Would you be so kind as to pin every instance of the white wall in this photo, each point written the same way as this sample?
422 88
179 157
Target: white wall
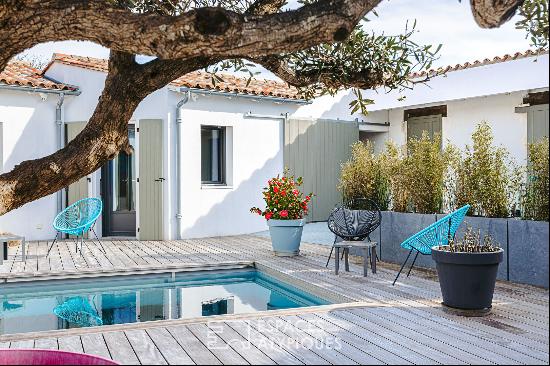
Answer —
463 116
256 155
483 93
29 132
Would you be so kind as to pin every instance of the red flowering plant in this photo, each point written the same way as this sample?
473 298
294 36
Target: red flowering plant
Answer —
283 199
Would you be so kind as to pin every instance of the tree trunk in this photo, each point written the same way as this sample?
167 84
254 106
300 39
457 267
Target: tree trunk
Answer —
105 134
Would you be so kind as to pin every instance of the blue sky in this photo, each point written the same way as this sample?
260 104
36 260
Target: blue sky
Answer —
448 22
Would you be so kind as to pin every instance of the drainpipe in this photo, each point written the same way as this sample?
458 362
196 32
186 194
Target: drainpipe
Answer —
179 160
60 135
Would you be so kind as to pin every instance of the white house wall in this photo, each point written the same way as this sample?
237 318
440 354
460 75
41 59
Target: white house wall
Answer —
91 84
29 131
487 93
256 146
463 116
256 157
525 74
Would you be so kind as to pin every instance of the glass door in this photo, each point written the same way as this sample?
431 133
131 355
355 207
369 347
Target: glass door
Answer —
118 190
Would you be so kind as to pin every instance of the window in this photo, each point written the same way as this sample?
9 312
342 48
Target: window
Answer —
213 155
428 119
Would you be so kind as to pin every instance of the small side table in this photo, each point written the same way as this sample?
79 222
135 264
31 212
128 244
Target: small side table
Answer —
368 249
4 239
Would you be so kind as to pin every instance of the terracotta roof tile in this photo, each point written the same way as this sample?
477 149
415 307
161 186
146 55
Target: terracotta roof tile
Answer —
476 63
19 73
197 79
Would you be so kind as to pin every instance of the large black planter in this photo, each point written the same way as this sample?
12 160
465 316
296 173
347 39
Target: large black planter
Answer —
467 280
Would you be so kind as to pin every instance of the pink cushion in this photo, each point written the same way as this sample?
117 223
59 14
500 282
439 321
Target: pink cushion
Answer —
49 357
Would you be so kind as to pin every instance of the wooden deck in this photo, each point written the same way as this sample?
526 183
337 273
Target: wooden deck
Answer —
381 324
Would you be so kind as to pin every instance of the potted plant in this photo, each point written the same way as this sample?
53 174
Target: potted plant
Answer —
285 211
467 271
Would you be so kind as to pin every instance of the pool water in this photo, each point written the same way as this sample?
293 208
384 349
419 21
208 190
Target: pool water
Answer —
65 304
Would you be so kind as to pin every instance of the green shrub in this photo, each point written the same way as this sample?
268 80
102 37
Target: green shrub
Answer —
486 177
535 199
363 176
394 165
427 167
417 174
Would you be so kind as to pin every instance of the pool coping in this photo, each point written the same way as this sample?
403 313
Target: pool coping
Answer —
340 301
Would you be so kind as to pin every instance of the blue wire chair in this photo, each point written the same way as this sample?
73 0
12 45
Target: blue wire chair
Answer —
78 219
77 310
439 233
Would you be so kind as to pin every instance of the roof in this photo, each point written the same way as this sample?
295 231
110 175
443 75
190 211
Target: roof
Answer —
196 79
19 73
477 63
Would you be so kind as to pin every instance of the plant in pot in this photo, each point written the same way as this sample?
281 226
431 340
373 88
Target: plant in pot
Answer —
467 271
285 210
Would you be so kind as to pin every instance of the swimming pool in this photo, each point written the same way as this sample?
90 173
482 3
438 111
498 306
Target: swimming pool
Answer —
75 303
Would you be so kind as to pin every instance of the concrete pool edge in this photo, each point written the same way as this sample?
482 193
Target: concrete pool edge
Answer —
339 301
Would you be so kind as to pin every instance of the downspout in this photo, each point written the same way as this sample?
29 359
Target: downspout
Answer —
60 142
179 161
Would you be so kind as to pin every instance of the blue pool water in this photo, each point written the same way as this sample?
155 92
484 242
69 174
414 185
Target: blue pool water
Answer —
64 304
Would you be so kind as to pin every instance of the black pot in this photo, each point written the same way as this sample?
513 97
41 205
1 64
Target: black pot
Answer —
467 280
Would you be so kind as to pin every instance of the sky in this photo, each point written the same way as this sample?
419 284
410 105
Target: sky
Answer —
446 22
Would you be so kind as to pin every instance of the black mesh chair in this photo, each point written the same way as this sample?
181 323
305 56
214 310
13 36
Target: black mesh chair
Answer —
354 221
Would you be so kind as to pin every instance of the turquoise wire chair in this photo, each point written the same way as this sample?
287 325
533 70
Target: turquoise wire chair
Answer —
78 219
77 310
439 233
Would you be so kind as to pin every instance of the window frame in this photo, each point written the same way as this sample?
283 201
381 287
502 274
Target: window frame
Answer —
222 156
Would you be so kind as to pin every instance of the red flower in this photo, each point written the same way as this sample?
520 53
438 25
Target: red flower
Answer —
268 215
276 189
296 192
283 213
283 193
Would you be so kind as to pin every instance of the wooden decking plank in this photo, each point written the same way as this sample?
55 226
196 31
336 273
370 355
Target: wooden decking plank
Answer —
31 265
120 349
163 251
172 352
94 344
26 344
144 347
111 253
323 347
17 264
216 345
516 331
152 252
371 345
66 256
46 343
241 345
499 353
412 340
42 262
70 343
428 308
338 344
290 345
267 346
194 348
510 309
132 247
431 338
383 345
123 247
